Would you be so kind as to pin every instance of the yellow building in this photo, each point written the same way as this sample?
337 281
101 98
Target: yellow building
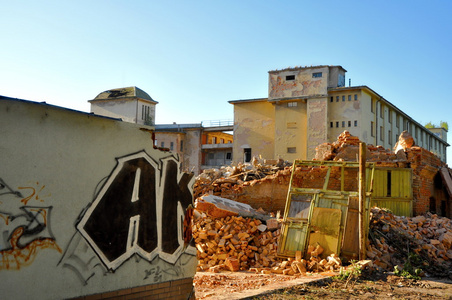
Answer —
307 106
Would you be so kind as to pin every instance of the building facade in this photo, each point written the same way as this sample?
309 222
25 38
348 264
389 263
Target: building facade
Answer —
130 104
197 146
307 106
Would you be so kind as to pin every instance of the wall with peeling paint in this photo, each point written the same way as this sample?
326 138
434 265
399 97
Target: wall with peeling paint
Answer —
82 202
303 85
254 127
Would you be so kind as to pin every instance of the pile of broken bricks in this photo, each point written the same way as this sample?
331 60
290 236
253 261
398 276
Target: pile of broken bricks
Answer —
394 238
237 243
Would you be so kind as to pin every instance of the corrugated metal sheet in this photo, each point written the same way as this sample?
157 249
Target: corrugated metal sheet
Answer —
392 189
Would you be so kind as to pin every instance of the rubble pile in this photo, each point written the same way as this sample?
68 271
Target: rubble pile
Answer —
236 243
394 239
346 148
230 179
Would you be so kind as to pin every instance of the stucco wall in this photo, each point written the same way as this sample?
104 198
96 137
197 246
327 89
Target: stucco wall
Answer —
121 109
291 130
82 202
254 127
317 112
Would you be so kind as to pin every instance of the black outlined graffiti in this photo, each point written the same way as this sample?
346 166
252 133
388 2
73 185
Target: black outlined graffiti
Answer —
139 210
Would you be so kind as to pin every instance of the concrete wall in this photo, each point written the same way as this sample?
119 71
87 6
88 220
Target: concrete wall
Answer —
254 127
121 109
317 111
303 84
82 202
291 130
343 111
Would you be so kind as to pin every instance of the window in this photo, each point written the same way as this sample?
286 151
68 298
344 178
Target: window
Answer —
372 129
382 111
171 146
343 123
317 75
372 105
337 124
389 116
349 97
247 154
221 141
228 155
349 123
162 144
331 99
290 77
356 97
214 140
343 98
181 146
337 98
331 125
291 149
145 112
389 137
292 104
381 133
356 123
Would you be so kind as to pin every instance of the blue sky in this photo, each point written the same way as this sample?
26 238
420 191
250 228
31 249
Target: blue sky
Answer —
195 56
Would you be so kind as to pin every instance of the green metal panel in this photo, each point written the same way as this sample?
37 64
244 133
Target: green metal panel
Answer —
399 197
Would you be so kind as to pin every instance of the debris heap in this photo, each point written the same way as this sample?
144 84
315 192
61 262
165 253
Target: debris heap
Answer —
237 243
424 240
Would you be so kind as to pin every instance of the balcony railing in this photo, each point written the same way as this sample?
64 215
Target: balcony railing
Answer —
217 123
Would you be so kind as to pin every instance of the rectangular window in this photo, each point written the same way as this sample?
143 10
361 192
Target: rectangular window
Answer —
382 111
331 99
181 146
381 133
291 149
343 98
390 116
292 104
349 97
221 141
356 97
349 123
372 129
389 137
247 154
356 123
372 105
171 146
317 75
162 144
290 77
337 124
337 98
331 125
343 123
228 155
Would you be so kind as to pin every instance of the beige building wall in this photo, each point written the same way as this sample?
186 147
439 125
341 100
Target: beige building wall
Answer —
317 131
192 151
254 127
120 109
290 130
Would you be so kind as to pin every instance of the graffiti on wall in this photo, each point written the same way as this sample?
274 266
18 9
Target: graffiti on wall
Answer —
139 210
25 231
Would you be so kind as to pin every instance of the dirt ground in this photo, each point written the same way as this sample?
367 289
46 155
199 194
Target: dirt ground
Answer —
370 285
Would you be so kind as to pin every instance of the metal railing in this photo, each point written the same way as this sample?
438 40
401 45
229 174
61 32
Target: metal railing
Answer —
217 123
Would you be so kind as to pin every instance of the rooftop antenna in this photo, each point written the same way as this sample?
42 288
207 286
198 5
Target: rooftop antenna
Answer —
349 82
